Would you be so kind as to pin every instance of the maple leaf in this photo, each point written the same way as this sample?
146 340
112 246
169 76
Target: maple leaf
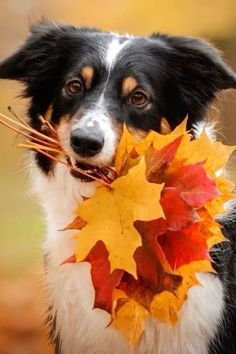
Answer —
166 305
209 228
128 317
151 261
196 188
103 280
184 246
130 146
110 215
158 160
152 277
178 213
217 205
149 233
161 294
214 153
125 148
77 224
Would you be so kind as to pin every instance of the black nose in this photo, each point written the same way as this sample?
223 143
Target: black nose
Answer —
86 143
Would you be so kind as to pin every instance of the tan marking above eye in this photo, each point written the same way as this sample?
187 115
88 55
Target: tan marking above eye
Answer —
164 126
87 74
128 85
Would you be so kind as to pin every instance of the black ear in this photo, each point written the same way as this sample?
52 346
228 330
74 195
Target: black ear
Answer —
38 60
196 73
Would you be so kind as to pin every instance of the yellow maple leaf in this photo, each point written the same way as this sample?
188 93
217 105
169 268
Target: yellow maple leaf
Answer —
214 153
166 305
217 205
128 143
211 229
110 215
129 317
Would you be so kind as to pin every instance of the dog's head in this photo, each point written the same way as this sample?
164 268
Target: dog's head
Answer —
87 83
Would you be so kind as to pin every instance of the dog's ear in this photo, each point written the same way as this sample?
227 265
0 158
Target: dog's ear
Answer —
200 61
36 62
196 73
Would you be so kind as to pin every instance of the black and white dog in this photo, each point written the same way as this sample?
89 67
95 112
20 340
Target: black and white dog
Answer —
87 83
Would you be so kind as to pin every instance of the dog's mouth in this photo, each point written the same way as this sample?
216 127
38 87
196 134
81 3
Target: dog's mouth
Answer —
89 173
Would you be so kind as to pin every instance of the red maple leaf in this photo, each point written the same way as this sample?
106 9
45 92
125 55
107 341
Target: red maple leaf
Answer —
150 261
184 246
103 280
196 188
178 213
158 160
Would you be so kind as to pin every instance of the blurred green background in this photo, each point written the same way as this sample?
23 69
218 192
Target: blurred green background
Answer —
21 223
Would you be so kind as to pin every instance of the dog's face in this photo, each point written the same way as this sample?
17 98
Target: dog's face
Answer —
88 83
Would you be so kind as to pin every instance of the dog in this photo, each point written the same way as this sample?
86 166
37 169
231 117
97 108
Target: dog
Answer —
87 83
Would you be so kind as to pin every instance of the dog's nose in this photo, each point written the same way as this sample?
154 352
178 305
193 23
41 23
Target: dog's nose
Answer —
86 143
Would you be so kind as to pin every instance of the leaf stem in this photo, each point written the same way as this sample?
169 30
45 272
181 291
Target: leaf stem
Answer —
29 129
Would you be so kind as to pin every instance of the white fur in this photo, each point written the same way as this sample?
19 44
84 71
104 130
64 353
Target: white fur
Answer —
82 328
208 128
114 48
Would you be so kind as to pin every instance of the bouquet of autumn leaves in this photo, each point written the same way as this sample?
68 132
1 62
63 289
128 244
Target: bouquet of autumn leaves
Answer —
149 231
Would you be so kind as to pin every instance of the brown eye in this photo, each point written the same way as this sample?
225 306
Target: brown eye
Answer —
138 98
74 87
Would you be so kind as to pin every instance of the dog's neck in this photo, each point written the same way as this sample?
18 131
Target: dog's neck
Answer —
60 193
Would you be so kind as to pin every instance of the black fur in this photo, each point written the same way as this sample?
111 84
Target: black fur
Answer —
224 262
51 322
182 76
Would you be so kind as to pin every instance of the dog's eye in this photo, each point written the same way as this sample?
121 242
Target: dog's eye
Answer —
138 98
74 86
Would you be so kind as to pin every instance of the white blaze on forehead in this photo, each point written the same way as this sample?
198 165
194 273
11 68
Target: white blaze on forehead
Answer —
114 48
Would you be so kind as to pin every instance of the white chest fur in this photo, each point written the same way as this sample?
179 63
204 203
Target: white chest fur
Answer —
83 329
